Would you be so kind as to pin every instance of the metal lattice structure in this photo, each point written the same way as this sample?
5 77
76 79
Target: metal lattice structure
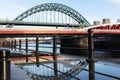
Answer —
62 9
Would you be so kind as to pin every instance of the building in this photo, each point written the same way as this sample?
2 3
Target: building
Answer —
96 23
106 21
118 20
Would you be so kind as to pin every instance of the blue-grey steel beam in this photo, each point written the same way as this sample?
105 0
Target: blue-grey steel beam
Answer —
12 23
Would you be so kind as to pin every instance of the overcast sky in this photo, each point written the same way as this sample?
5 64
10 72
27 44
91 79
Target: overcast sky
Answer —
90 9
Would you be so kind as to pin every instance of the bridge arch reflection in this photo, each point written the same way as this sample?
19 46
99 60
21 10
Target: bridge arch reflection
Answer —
66 70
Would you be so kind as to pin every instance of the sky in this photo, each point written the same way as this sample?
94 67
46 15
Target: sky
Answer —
91 9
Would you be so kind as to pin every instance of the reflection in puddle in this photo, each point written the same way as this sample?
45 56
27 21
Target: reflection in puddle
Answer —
66 70
69 67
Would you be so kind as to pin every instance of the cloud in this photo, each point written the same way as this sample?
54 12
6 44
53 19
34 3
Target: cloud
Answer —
115 1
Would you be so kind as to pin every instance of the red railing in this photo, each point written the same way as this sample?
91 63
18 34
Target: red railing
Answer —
31 31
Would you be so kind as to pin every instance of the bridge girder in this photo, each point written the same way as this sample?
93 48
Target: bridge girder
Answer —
54 7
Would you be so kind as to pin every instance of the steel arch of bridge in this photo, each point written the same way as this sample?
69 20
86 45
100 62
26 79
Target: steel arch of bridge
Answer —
54 7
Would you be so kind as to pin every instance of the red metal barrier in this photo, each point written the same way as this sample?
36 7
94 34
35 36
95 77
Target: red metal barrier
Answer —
30 31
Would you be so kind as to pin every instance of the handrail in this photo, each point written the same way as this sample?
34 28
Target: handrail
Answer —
92 50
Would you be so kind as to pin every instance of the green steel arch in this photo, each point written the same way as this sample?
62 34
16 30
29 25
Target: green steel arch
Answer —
54 7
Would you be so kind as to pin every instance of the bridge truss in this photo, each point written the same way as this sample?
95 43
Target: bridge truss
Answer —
52 13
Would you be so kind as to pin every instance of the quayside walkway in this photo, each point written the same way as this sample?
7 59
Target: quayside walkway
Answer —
23 75
18 74
55 58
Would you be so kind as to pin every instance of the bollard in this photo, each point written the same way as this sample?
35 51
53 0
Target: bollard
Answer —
4 64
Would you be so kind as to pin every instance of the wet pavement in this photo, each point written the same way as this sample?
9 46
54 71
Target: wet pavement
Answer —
18 74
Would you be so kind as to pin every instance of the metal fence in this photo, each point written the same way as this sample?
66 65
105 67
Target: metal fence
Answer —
94 44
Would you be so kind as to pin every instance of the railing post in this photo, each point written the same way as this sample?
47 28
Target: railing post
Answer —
19 44
4 64
55 55
4 43
37 51
11 44
91 55
15 44
26 50
20 48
